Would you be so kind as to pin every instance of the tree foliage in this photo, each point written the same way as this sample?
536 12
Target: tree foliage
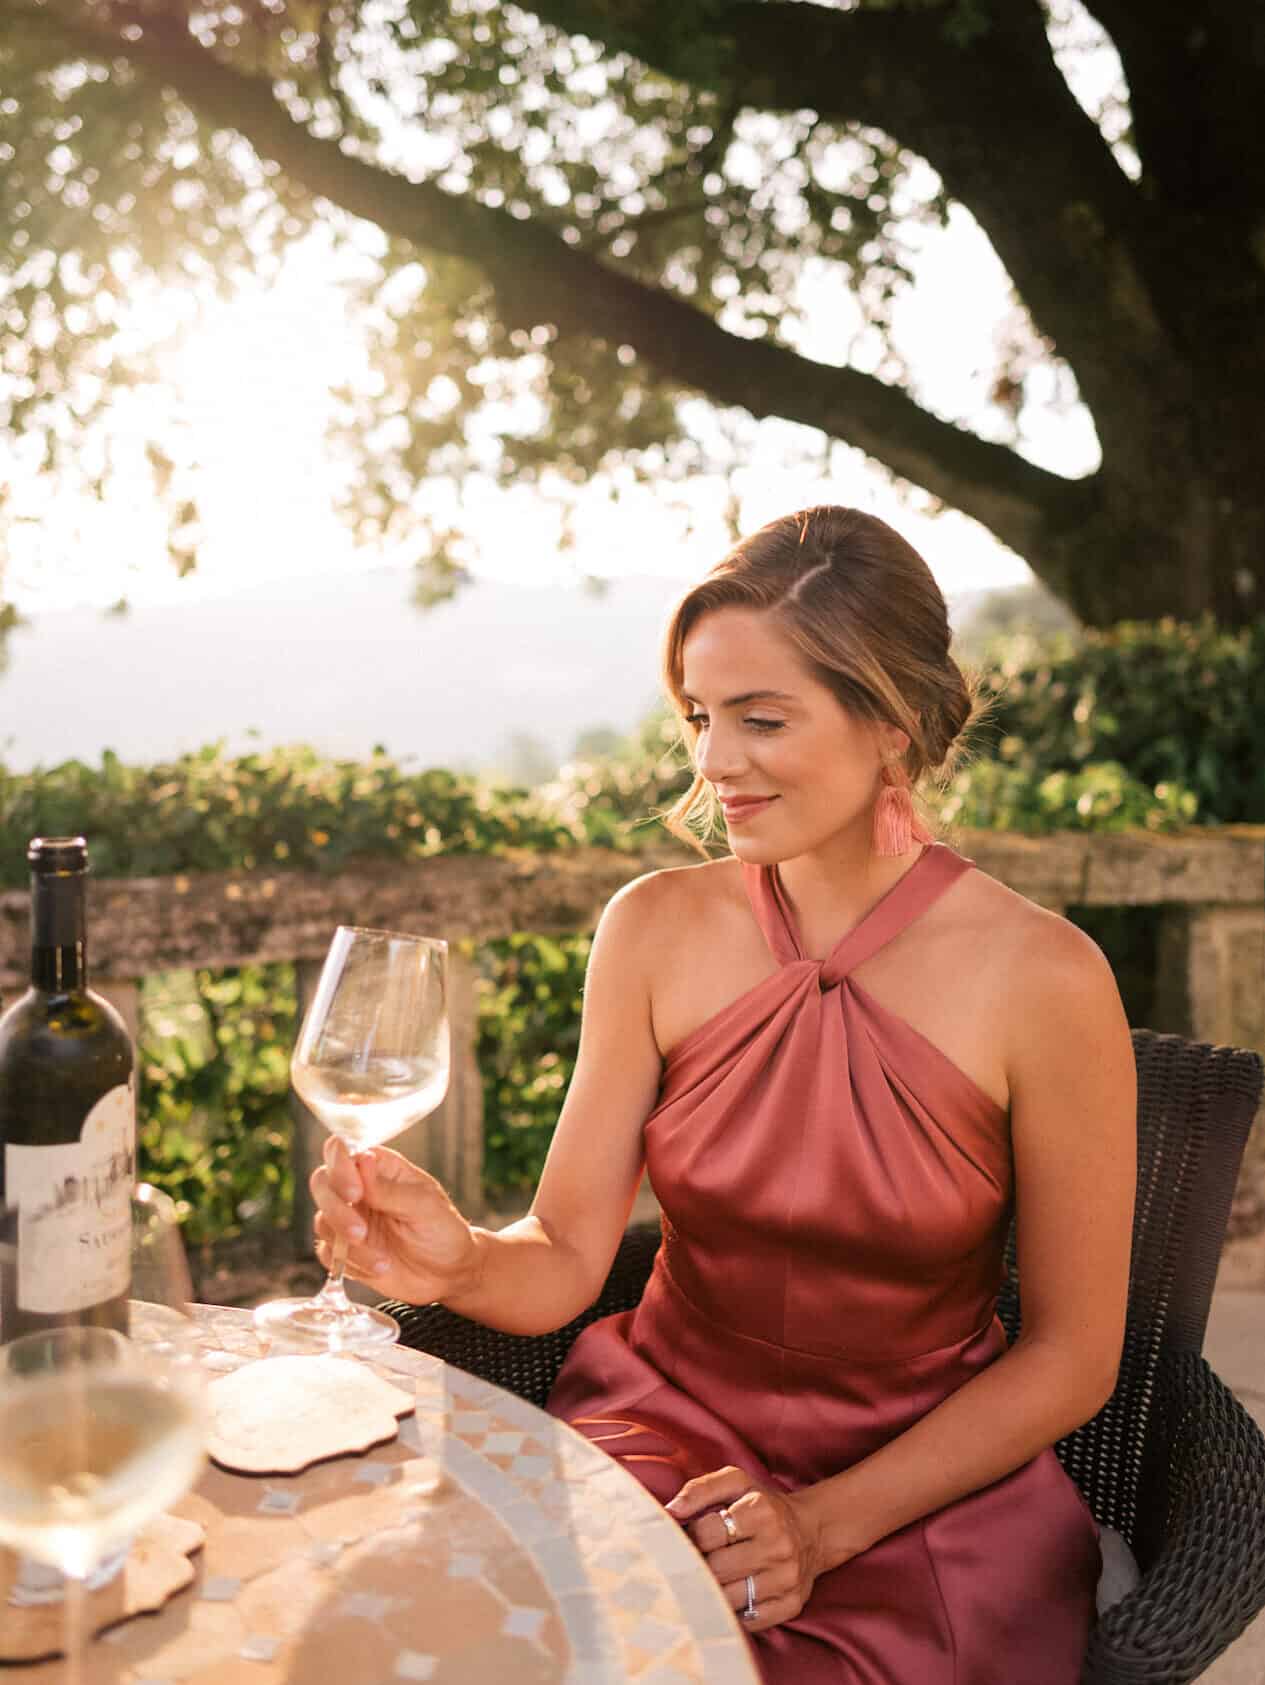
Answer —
560 223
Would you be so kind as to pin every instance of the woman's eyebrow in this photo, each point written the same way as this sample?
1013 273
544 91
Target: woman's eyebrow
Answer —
747 696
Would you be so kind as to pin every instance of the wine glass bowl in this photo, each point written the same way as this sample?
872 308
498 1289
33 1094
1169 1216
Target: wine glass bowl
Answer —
371 1059
100 1432
97 1436
159 1309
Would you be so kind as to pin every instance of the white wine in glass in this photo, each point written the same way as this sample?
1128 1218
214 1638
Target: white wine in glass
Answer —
372 1058
98 1433
95 1440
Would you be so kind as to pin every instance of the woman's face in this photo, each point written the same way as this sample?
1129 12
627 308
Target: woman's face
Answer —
792 767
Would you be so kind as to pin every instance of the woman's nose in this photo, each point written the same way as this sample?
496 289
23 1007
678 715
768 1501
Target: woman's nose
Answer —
718 755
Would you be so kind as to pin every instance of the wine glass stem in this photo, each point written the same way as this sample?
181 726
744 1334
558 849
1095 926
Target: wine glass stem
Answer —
74 1610
334 1293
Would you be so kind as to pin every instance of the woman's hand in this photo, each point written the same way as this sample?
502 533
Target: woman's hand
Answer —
769 1538
405 1237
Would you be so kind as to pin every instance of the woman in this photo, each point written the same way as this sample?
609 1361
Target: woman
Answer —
845 1056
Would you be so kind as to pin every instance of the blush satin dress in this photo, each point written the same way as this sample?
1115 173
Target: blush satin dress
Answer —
836 1195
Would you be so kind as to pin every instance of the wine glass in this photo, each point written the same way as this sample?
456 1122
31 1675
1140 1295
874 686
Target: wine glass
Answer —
161 1292
371 1059
98 1435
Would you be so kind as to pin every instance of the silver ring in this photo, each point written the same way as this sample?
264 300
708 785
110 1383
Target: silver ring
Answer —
750 1612
731 1526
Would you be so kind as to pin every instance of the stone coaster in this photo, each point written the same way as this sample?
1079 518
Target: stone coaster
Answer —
157 1567
281 1414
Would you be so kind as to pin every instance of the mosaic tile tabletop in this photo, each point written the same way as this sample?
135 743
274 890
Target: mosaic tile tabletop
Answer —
488 1542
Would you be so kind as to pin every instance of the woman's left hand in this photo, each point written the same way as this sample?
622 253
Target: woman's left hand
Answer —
770 1540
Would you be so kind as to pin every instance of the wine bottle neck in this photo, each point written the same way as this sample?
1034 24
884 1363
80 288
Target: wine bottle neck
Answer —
58 924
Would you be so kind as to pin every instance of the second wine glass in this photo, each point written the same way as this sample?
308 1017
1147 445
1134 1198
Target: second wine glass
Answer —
372 1058
99 1433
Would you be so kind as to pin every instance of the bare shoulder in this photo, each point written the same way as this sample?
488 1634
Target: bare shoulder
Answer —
1023 938
1054 977
680 891
675 903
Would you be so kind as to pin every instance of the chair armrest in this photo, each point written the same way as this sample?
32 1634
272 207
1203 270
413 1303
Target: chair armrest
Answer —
1204 1579
526 1364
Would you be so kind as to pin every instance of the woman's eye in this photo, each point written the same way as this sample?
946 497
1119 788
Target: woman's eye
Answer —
765 725
696 719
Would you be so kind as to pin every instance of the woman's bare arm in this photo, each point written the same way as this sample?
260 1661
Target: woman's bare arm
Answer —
538 1273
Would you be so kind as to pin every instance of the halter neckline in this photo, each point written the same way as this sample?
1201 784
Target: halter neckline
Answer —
935 870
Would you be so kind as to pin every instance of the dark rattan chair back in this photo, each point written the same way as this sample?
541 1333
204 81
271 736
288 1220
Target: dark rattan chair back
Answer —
1195 1107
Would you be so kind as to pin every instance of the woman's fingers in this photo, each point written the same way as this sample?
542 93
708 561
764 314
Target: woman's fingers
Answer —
341 1215
771 1605
365 1264
732 1564
343 1170
397 1188
708 1491
745 1547
747 1535
348 1192
769 1586
711 1535
404 1233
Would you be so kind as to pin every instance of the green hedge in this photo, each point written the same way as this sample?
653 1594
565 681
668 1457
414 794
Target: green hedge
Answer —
289 807
1179 705
213 1118
529 1032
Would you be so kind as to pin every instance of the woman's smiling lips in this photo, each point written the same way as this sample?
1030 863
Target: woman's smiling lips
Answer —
738 809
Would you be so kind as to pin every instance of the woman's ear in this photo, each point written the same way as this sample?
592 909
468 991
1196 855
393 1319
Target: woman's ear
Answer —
893 743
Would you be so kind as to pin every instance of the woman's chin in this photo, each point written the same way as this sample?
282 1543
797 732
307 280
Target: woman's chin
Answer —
754 851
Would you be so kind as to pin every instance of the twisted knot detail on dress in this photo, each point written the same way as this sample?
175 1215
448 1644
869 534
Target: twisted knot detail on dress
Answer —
867 1168
836 1194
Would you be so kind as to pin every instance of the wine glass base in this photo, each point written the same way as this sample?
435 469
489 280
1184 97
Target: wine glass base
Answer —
309 1325
37 1583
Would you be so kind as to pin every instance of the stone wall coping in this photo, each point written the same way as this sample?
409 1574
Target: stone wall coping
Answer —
143 925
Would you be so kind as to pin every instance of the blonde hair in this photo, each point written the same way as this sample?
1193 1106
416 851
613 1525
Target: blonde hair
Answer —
861 607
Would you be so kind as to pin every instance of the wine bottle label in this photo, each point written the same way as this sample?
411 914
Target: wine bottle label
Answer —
74 1215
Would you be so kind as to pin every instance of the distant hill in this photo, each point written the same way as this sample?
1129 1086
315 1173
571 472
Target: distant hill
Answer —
1018 608
343 664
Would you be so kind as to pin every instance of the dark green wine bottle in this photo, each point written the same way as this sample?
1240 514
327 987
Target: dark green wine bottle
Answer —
67 1121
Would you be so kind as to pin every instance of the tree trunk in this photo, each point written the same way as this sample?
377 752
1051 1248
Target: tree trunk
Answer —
1183 539
1149 555
1180 524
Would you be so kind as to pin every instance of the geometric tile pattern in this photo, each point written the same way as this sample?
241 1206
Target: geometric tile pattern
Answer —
488 1541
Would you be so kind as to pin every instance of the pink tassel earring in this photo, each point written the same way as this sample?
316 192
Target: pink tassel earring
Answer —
896 826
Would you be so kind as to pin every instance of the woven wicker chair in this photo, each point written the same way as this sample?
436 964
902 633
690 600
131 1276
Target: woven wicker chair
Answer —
1172 1462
